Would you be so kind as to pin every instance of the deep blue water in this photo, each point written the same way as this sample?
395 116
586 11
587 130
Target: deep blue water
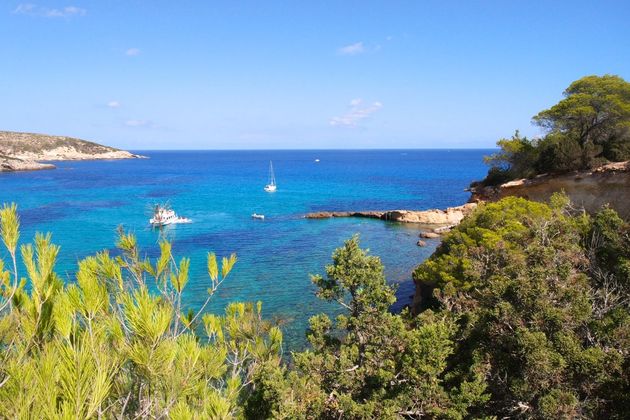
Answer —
82 203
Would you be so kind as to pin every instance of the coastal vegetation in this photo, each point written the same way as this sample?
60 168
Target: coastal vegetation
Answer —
588 128
118 342
526 313
541 297
523 310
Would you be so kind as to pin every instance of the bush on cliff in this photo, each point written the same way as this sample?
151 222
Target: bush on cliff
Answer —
587 128
541 298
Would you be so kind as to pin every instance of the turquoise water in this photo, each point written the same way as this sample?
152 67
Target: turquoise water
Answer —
82 203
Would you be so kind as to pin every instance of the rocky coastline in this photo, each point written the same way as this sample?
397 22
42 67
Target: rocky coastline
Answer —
449 217
27 151
11 164
589 190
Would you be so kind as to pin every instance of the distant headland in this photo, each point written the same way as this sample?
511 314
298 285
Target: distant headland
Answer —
26 151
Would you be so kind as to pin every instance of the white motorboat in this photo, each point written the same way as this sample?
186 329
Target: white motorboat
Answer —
271 186
258 216
163 216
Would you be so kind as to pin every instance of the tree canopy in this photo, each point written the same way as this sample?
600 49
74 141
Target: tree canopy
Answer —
595 113
542 299
590 126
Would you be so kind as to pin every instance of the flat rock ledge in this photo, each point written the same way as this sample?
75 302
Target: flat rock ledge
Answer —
449 217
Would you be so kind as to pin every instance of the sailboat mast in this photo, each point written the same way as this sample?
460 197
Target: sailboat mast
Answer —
272 178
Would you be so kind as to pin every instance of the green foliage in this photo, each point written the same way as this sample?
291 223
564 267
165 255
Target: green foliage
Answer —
595 111
118 343
587 128
558 154
516 158
525 313
369 363
541 298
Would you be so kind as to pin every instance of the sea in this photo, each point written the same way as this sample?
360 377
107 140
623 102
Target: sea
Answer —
82 203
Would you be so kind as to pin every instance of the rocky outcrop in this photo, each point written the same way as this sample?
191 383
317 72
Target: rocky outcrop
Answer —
608 184
23 151
9 164
450 216
330 214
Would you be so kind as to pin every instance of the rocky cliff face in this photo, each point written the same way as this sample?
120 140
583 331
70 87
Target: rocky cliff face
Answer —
22 151
609 184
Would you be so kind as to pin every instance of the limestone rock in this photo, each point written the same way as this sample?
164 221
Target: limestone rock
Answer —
607 184
450 216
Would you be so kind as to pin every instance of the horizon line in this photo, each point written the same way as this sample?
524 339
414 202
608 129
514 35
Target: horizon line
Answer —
315 150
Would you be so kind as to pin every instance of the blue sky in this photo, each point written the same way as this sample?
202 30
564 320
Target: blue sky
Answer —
150 74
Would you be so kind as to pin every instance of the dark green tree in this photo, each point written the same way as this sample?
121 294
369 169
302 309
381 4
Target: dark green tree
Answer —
539 296
516 158
587 128
371 363
595 113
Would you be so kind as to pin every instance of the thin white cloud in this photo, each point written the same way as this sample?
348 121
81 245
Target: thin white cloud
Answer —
132 52
31 9
352 49
138 123
24 9
113 104
358 111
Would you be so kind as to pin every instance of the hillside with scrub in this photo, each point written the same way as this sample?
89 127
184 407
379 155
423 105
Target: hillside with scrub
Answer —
24 151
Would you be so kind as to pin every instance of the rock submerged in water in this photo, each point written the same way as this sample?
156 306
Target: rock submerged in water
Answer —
443 229
421 243
429 235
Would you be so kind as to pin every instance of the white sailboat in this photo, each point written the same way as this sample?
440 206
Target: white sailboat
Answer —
271 186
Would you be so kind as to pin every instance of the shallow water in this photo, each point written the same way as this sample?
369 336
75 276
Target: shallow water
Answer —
82 203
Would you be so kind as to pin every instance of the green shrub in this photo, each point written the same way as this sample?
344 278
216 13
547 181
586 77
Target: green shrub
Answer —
119 342
541 296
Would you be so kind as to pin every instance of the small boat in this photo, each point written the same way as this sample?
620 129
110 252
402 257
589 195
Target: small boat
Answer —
163 216
258 216
316 160
271 186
